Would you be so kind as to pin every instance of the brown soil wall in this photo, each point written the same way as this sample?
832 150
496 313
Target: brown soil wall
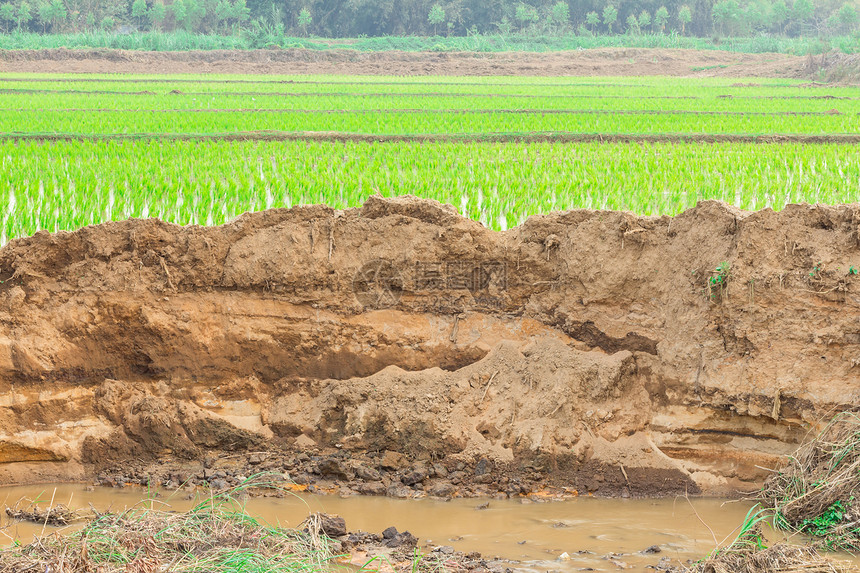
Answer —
579 340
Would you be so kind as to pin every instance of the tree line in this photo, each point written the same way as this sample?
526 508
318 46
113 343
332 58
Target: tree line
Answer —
358 18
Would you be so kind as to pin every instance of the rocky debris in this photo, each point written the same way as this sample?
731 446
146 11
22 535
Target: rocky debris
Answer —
367 473
417 475
57 515
323 523
442 489
339 472
392 538
333 467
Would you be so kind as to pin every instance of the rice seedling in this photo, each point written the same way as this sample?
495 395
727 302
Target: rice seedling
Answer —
63 185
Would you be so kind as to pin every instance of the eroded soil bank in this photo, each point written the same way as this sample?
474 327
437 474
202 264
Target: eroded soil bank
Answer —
400 348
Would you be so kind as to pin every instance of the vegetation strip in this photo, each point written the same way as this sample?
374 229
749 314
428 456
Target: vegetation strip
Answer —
347 94
533 137
447 110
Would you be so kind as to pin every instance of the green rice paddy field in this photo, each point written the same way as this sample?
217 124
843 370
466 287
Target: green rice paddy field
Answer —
81 149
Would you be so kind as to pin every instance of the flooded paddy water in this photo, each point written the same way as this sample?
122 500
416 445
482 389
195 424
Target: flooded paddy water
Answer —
597 534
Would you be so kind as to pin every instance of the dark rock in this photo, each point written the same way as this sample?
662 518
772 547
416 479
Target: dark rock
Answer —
483 467
218 483
403 540
389 533
439 470
417 475
255 459
333 467
366 473
372 488
443 489
651 550
399 491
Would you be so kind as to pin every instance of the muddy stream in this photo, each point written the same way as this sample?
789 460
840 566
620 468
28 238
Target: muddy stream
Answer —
590 530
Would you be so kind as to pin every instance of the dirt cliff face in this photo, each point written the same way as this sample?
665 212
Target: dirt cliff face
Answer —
579 340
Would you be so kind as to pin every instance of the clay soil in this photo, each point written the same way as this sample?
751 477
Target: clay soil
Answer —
401 349
595 62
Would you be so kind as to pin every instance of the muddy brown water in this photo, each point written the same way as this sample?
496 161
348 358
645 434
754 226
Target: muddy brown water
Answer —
534 533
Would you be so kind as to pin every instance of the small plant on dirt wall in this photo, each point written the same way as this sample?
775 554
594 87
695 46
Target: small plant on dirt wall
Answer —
718 281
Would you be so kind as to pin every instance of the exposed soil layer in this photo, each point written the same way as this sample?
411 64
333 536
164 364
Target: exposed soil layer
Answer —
582 349
595 62
532 137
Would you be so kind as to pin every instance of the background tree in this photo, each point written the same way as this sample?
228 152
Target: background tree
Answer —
223 13
779 14
51 13
644 19
801 12
304 20
504 26
195 12
610 15
240 12
43 10
684 17
593 20
7 14
661 17
848 17
157 13
632 25
726 15
436 16
24 15
138 11
526 15
179 13
560 13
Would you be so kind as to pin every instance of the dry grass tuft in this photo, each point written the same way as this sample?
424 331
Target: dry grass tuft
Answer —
817 492
216 536
780 558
